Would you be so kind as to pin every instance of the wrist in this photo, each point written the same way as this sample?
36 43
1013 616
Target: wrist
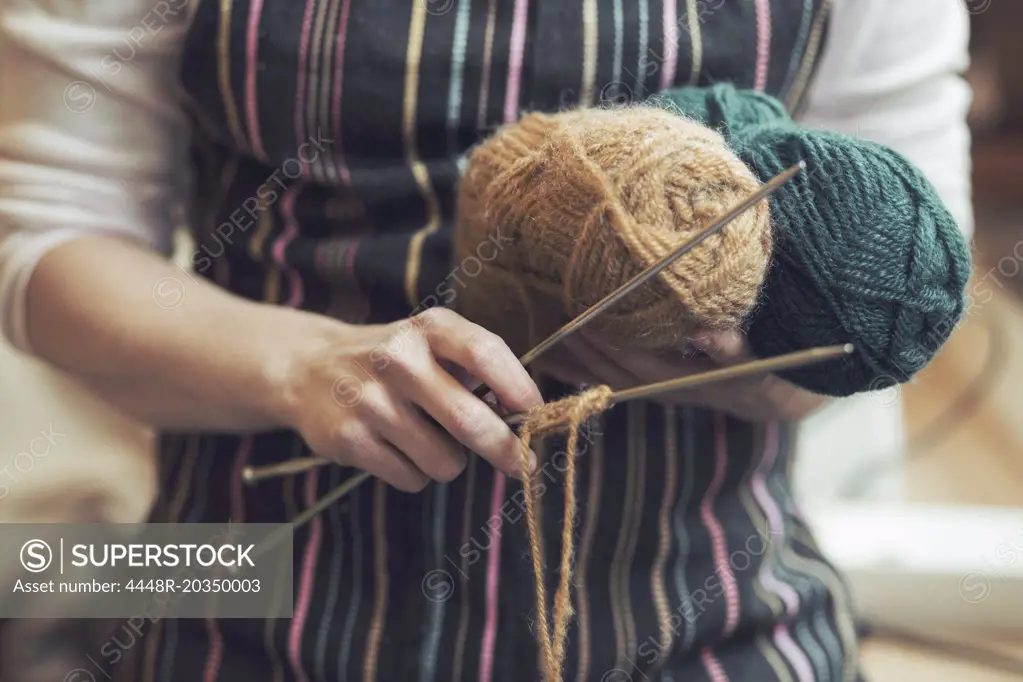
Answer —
296 339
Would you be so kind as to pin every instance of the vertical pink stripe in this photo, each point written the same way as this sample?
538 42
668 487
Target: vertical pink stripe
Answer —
350 258
670 44
291 194
713 666
518 42
763 43
305 588
784 591
251 109
335 104
303 72
281 243
758 483
717 533
796 657
290 231
493 581
215 655
788 647
497 496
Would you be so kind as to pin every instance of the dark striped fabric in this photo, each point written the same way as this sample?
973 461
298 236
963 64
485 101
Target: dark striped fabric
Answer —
329 138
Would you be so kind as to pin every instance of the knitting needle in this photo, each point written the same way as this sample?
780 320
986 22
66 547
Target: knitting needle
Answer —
801 358
253 475
780 362
597 308
788 361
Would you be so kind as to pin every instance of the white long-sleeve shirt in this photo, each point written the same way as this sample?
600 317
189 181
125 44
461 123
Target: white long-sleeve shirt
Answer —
81 154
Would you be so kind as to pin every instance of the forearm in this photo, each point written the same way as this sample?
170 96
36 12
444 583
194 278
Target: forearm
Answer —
159 345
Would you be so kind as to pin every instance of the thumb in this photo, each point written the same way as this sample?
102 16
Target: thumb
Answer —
724 347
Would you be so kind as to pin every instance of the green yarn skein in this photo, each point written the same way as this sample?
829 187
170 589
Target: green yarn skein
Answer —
864 250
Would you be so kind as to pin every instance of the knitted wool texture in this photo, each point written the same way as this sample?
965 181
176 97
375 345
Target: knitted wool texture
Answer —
862 249
588 199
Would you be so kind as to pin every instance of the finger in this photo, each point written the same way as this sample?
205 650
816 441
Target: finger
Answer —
483 354
724 347
434 452
365 450
469 420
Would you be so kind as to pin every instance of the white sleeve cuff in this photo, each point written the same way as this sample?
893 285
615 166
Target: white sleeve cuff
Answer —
93 138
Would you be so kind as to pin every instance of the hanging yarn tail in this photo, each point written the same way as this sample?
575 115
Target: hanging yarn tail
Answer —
566 414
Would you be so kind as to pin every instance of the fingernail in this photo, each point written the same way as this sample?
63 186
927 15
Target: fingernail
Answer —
531 460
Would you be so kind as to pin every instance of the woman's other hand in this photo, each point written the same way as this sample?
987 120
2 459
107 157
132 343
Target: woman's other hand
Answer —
585 359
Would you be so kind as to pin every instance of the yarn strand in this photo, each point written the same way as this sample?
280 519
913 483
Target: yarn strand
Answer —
569 413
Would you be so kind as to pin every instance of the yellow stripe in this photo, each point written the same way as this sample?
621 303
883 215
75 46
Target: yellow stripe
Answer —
326 87
621 610
156 636
376 627
270 626
843 612
696 37
488 57
637 436
589 532
224 74
809 57
463 606
590 28
770 654
422 176
181 490
317 86
657 583
771 600
264 226
185 481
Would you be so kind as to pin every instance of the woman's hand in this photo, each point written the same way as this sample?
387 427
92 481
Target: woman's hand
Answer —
361 395
585 358
208 360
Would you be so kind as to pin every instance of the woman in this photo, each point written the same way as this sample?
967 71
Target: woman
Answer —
327 138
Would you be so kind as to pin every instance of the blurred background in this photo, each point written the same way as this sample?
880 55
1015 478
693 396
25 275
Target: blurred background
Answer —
933 565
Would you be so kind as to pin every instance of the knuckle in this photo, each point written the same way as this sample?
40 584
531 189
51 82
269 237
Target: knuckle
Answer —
484 347
376 403
449 469
470 422
430 316
412 360
353 438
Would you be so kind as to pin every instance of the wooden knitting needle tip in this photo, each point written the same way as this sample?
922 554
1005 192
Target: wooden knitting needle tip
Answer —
252 475
801 358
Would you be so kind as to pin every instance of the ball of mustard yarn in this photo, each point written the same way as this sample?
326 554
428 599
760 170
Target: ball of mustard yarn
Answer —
562 209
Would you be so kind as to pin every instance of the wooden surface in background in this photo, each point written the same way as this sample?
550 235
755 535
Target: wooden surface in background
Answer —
980 459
